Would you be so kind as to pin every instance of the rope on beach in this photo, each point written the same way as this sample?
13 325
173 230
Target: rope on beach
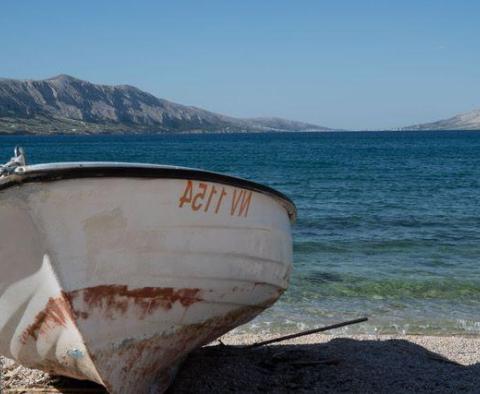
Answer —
308 332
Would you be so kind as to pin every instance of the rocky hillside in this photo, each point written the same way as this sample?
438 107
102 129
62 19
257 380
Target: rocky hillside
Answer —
466 121
64 104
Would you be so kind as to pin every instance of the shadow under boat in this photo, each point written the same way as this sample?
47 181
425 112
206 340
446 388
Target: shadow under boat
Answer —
340 365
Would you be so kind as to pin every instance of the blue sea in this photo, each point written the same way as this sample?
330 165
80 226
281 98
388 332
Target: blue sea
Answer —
388 222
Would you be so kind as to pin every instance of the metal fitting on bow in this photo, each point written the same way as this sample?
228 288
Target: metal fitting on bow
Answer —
18 160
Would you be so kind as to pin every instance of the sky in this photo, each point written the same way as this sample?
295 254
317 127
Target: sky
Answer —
343 64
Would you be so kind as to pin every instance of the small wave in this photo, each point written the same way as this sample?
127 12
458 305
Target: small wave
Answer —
312 247
282 322
336 285
323 277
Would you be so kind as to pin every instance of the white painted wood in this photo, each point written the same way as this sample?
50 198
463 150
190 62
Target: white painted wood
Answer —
114 280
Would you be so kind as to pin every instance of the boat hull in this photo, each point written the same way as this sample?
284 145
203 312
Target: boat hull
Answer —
115 280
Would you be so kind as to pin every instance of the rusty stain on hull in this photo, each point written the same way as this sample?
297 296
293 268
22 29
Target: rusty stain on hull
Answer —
111 298
155 358
117 298
56 313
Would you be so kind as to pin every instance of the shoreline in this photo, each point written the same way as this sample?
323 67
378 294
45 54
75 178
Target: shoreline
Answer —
316 363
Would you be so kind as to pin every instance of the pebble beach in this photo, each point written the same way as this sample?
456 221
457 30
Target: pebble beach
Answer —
314 363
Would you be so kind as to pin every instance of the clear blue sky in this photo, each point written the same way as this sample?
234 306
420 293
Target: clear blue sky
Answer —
348 64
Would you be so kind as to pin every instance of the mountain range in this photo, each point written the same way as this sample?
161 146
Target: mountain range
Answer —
68 105
64 104
465 121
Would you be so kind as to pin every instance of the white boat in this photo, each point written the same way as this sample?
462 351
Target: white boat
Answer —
114 272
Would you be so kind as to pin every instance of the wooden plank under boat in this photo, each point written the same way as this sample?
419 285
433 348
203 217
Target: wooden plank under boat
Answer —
114 272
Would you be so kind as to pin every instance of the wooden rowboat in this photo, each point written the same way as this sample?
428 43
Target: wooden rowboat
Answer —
114 272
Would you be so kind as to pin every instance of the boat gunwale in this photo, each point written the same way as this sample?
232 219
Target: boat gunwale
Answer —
71 170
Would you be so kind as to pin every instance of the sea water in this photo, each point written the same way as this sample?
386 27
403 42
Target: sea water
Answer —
388 222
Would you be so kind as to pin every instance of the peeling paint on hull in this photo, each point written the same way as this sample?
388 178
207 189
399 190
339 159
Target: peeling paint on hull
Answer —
154 359
117 284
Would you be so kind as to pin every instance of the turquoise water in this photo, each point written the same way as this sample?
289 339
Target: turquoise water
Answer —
388 223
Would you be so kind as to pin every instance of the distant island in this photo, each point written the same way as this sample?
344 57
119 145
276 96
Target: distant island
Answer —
67 105
465 121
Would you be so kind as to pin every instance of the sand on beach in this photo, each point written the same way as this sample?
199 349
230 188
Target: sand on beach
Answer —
315 363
